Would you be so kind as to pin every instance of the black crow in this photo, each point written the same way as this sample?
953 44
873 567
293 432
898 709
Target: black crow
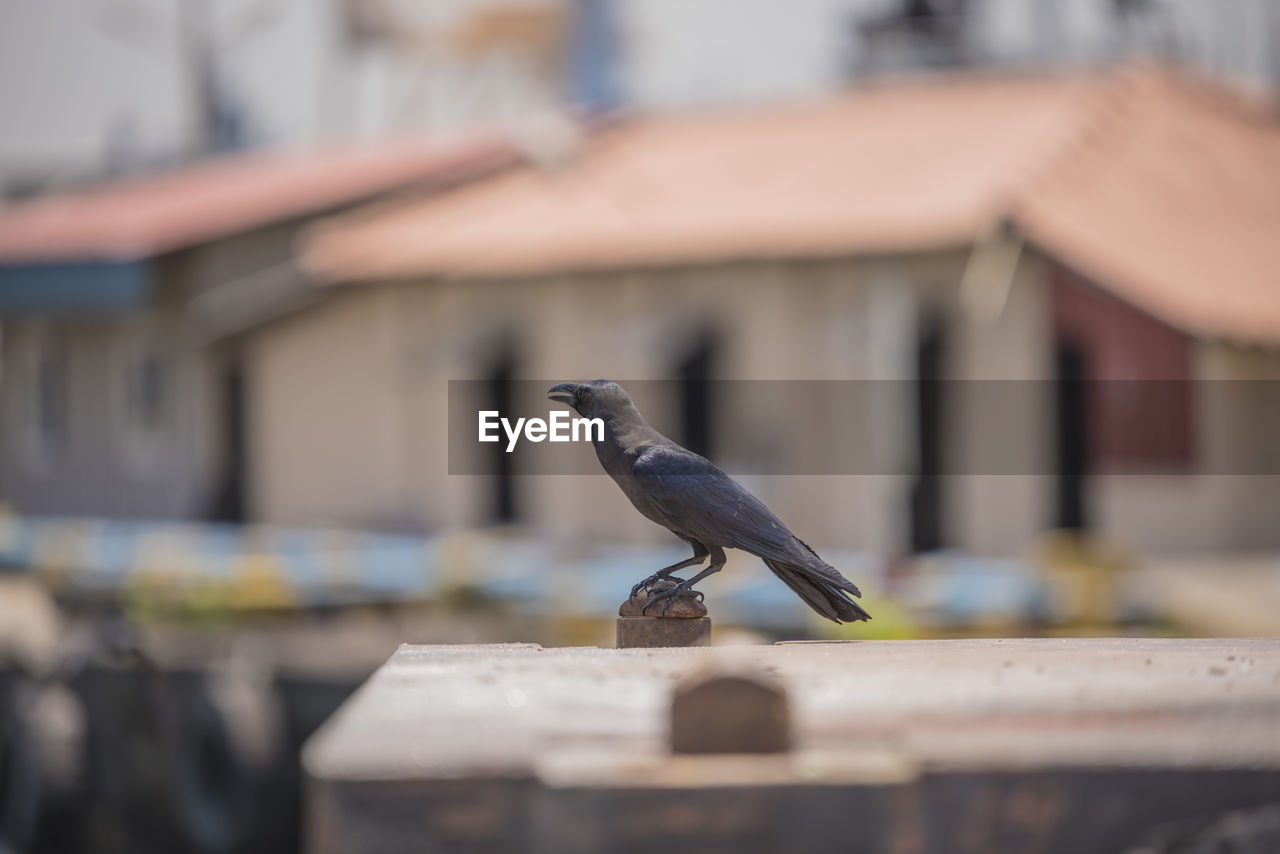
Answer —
689 496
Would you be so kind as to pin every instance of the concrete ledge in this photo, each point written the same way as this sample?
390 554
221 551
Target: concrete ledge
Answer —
1060 745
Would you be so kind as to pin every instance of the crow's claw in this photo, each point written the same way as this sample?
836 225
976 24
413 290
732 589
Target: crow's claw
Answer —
666 597
650 580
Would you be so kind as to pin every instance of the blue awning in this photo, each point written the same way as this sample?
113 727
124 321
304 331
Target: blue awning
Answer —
92 287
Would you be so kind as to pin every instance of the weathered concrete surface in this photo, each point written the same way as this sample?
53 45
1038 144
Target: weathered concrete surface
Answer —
1046 745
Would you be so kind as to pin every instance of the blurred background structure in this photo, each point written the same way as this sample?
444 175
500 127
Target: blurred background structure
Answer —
101 88
246 244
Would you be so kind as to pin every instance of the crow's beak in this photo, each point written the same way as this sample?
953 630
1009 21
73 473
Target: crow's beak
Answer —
564 393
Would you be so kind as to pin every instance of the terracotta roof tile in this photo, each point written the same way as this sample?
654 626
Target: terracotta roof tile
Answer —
158 213
1172 203
886 168
1160 187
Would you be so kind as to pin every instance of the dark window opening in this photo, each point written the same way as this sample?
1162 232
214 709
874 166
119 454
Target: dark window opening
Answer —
909 35
230 504
926 493
499 395
697 398
1072 445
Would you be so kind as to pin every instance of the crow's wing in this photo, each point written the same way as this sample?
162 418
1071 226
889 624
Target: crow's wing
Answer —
701 500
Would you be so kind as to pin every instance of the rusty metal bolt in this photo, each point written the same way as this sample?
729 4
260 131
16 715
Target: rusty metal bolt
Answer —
730 713
683 622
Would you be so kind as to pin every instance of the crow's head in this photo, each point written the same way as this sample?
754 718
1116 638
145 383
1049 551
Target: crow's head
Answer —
596 399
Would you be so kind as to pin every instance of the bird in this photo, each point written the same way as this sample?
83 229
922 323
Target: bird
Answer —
690 496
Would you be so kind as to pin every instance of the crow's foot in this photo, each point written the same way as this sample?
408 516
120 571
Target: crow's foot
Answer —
669 595
653 579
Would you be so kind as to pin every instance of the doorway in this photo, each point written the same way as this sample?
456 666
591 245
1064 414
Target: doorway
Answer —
926 493
697 395
499 395
1071 395
230 503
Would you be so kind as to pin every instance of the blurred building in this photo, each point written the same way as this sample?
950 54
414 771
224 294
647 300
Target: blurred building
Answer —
111 87
93 91
123 314
1044 229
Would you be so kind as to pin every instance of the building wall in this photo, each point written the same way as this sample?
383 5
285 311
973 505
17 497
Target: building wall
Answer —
326 416
125 82
1001 436
1229 498
1180 442
357 433
95 447
107 458
351 399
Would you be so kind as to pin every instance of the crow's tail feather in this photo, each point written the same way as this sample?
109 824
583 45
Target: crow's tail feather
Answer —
821 595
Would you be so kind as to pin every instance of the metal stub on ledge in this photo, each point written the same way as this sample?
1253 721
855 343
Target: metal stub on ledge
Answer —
681 621
733 713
